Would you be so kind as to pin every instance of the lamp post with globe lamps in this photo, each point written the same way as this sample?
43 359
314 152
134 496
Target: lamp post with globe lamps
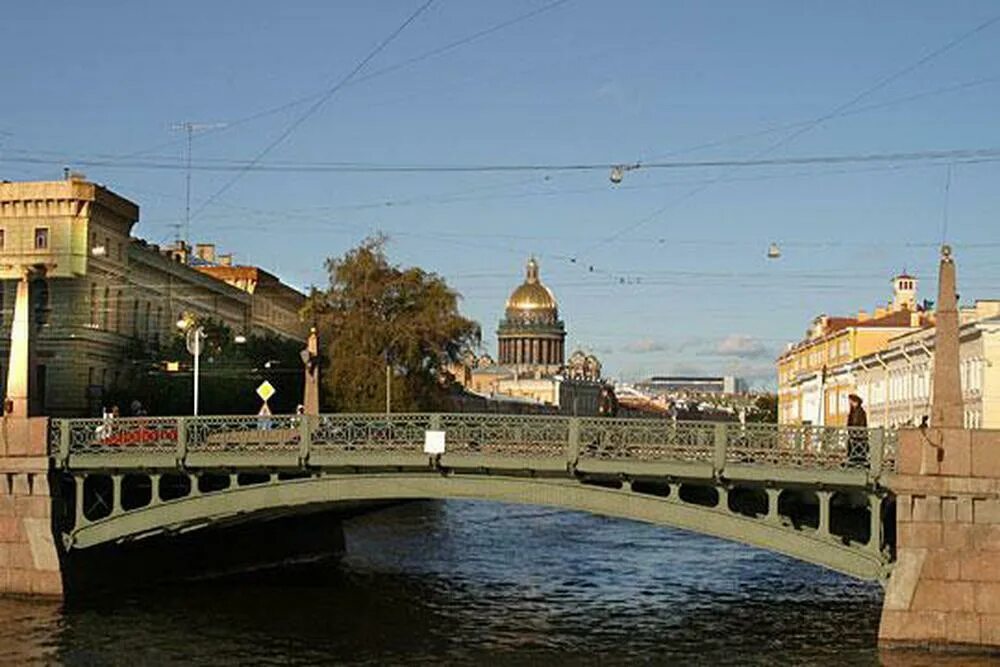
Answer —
194 337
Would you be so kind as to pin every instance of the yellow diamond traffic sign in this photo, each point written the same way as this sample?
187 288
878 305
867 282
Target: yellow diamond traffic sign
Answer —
265 390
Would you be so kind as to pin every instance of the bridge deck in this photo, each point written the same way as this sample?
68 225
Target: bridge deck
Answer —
539 444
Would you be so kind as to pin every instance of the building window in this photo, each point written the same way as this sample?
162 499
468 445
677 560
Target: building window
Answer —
93 306
3 238
41 238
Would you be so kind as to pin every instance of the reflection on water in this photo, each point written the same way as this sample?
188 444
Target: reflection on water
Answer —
469 582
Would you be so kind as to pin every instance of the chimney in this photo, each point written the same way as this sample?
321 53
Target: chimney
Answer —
914 319
863 316
226 260
205 252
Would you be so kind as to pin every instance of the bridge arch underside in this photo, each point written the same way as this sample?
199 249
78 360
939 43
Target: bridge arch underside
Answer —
843 530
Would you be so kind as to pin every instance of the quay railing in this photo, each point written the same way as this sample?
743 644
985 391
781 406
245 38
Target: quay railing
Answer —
553 443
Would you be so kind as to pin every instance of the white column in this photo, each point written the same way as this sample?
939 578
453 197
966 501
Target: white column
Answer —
17 368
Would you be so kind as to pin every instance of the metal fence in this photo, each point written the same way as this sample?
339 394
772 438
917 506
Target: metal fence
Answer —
556 437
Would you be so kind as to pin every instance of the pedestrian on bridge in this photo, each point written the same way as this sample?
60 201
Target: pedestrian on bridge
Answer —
857 439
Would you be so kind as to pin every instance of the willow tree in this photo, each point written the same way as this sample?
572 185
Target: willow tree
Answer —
375 314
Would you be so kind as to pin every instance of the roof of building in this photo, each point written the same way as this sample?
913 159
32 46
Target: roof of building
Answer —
837 323
900 319
532 294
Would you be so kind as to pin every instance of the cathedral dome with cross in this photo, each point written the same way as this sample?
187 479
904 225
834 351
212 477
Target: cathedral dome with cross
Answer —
531 337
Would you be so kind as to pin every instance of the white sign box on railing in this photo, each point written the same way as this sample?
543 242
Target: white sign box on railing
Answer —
433 442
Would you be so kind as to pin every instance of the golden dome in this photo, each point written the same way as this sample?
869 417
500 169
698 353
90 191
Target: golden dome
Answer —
532 295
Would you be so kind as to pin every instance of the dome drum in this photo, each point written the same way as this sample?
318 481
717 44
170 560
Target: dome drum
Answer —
531 333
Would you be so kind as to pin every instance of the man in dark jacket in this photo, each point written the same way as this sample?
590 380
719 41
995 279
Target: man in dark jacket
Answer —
857 440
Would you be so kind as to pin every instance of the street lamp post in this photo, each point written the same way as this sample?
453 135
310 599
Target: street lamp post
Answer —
388 388
194 337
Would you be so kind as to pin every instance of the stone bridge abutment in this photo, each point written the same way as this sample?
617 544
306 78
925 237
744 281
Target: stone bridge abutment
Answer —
29 559
945 587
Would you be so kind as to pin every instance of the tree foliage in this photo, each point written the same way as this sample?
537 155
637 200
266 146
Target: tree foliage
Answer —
764 409
373 314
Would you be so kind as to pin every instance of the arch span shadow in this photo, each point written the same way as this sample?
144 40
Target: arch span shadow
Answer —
701 507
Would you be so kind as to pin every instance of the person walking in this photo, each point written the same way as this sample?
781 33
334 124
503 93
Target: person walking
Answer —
857 439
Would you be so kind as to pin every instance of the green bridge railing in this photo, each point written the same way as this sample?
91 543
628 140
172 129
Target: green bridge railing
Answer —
562 441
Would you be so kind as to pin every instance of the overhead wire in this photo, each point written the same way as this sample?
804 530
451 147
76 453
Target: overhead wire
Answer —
737 138
241 167
388 69
878 85
325 97
732 139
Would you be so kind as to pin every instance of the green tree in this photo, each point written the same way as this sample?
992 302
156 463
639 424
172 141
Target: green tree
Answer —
374 314
764 409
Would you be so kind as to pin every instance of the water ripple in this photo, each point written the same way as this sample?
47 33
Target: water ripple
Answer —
472 582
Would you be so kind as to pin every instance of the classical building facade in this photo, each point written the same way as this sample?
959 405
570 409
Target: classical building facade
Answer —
99 298
896 382
815 375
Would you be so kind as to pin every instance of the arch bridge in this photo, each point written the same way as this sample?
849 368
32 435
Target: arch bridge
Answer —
796 490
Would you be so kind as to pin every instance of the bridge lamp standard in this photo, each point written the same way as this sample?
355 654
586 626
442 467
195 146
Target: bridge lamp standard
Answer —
194 338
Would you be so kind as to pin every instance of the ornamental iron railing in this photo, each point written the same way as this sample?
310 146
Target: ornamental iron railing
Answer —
573 439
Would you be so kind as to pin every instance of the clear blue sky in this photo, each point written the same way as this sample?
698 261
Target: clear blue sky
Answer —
688 289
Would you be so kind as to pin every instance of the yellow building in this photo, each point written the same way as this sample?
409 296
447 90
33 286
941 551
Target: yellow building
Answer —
896 382
815 375
97 297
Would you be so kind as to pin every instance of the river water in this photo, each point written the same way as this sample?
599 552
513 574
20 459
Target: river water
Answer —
481 583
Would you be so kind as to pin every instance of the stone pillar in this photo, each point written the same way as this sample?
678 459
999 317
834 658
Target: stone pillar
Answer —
948 409
310 357
944 591
29 559
945 586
